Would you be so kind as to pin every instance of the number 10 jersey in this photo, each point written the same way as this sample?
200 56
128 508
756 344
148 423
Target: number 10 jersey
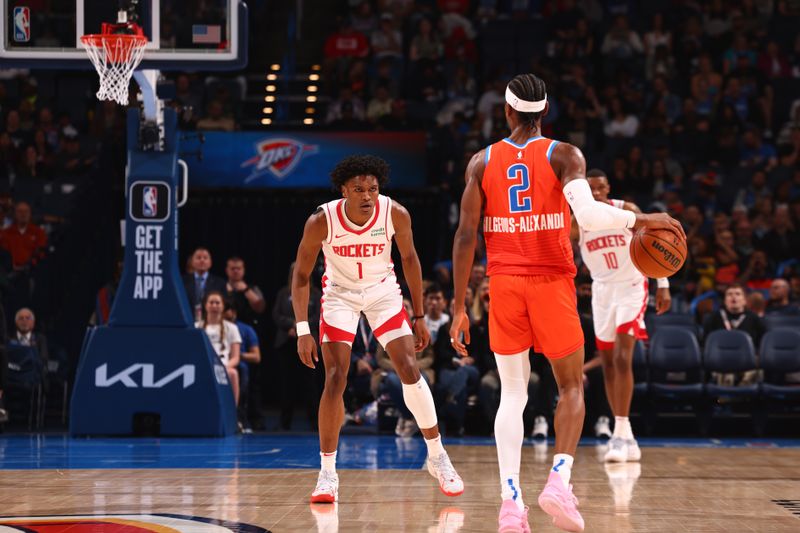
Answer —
607 255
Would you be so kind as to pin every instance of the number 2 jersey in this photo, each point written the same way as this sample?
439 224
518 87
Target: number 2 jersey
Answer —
606 253
358 256
526 217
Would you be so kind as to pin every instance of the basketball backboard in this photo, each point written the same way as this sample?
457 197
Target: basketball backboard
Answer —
182 34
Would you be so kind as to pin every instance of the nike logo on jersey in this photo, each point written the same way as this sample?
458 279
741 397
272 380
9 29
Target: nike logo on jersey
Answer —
342 235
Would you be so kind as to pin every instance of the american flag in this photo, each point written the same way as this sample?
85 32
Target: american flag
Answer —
204 33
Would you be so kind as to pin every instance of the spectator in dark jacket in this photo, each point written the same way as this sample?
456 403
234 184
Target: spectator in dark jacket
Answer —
25 336
782 242
734 315
201 281
456 378
246 297
779 303
296 379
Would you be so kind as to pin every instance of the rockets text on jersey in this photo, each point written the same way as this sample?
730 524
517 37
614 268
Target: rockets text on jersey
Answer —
358 256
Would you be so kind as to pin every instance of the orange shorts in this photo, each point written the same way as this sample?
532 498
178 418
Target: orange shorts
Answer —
538 311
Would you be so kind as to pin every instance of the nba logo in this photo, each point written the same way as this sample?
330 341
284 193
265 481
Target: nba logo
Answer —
22 24
150 201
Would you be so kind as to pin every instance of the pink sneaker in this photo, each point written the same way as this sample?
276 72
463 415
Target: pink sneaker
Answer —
511 519
561 504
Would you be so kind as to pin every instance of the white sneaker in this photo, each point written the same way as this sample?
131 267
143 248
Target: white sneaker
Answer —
602 428
327 489
634 452
442 469
539 428
617 451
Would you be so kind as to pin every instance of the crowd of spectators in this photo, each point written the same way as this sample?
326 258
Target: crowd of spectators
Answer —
690 107
48 150
689 110
228 310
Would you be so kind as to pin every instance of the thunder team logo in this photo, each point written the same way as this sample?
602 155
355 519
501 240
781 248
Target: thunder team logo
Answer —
278 157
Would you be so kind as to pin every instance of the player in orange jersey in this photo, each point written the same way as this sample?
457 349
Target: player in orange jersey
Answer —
525 186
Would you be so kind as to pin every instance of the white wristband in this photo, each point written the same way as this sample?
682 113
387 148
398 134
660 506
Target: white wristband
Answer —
662 283
302 329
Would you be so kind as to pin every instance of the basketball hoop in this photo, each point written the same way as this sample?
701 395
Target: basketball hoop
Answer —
115 56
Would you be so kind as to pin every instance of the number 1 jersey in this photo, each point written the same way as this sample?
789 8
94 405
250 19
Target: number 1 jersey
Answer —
357 257
526 217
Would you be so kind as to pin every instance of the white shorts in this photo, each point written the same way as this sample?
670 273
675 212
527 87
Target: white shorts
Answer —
381 303
618 308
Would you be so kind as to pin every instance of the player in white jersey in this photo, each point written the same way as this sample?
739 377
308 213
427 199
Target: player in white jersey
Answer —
355 233
619 301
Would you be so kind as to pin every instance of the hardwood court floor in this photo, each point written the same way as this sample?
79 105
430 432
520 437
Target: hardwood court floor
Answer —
677 488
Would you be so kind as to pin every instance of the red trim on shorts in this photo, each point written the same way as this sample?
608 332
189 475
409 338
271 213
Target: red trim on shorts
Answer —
334 334
346 225
396 322
637 325
603 345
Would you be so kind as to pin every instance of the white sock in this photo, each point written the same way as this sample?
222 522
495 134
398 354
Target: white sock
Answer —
514 371
435 447
328 461
419 400
510 490
622 427
562 465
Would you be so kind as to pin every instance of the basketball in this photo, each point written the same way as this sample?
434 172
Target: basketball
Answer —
657 253
245 176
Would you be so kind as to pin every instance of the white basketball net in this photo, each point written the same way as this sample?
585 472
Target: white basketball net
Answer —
115 57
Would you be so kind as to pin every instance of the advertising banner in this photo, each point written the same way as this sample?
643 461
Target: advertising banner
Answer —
296 159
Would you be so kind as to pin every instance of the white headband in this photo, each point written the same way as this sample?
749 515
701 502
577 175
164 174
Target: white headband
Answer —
524 106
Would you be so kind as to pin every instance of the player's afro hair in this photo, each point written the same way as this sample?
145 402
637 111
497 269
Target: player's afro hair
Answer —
360 165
